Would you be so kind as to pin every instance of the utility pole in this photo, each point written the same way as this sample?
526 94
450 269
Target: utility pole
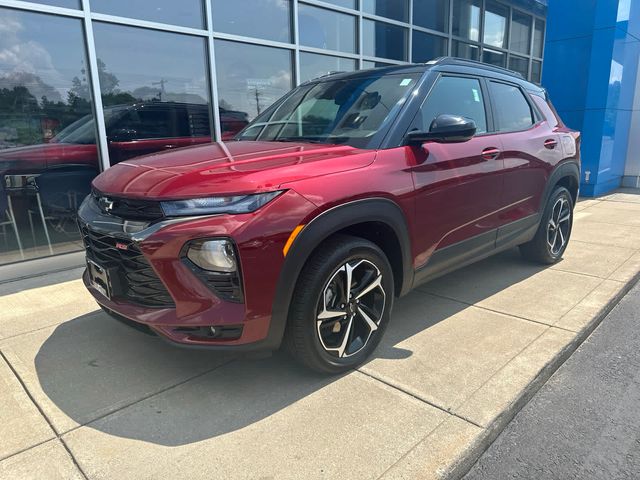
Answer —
162 83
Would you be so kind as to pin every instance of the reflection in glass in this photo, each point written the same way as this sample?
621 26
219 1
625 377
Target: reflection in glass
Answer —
45 171
384 40
154 89
433 14
335 111
313 65
521 32
270 19
466 19
251 77
536 71
494 58
60 3
369 64
520 65
538 39
343 3
427 47
495 24
327 29
465 50
188 13
454 96
394 9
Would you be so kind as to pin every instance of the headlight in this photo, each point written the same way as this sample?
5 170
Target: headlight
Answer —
210 205
213 255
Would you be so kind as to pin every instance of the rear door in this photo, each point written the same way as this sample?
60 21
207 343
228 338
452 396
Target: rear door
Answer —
530 150
458 185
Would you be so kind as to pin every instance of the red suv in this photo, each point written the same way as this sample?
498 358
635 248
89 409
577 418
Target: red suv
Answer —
348 192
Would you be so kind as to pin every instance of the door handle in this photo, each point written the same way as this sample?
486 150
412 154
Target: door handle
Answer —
550 143
490 153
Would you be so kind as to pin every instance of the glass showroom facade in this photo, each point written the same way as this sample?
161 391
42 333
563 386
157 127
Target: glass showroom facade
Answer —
85 84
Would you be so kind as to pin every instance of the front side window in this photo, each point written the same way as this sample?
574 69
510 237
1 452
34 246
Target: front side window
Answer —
342 111
513 112
454 96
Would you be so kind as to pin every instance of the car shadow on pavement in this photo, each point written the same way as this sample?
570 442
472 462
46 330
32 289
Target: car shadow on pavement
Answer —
97 371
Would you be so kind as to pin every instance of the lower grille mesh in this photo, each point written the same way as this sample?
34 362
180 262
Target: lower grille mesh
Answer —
140 283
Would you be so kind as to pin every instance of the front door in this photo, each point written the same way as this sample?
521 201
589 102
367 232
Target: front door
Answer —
458 185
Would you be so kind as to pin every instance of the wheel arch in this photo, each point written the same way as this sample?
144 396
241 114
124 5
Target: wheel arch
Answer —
566 174
379 220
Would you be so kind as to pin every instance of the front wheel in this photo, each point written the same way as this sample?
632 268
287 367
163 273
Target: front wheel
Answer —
340 306
553 234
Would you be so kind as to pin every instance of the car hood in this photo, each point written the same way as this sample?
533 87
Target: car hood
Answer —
227 168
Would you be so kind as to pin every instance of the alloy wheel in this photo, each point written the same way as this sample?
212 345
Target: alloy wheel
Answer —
350 308
559 226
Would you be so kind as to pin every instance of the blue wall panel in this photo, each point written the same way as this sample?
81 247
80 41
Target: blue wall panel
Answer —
590 71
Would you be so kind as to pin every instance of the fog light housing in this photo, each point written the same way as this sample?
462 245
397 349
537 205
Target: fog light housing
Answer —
213 255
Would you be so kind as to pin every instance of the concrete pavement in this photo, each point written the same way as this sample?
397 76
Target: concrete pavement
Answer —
584 422
82 395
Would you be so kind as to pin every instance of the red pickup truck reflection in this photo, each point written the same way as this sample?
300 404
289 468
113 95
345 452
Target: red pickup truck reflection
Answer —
132 130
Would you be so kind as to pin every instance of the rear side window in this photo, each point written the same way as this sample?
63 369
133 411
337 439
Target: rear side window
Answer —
455 96
513 111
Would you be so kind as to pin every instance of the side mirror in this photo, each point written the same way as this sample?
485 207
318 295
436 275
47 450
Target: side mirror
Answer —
445 128
123 135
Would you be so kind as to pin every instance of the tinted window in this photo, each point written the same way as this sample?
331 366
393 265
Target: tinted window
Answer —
45 123
395 9
495 24
427 47
465 50
185 12
536 71
521 32
466 19
60 3
512 109
327 29
538 38
455 96
154 72
384 40
520 65
146 123
268 19
493 57
433 14
343 3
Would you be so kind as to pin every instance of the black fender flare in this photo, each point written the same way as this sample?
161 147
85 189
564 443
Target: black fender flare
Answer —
565 169
321 227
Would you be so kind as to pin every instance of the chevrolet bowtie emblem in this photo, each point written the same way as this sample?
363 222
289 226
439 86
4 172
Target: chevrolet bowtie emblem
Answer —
106 204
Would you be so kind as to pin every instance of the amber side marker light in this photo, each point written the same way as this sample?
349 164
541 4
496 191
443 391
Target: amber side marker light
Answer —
292 237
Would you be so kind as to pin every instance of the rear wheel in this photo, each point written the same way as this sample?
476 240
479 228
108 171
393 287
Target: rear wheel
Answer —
340 305
553 234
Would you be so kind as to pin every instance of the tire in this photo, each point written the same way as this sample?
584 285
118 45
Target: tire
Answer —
338 342
554 231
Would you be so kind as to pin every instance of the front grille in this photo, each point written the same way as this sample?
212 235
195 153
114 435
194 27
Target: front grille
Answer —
138 282
128 208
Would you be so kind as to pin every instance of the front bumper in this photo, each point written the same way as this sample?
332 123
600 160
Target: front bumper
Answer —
259 238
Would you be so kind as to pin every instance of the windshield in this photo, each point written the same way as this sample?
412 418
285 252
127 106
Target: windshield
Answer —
341 111
83 130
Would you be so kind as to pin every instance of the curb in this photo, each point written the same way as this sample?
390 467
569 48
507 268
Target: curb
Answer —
463 465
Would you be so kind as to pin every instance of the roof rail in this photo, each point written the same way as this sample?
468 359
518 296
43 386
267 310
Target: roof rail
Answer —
474 63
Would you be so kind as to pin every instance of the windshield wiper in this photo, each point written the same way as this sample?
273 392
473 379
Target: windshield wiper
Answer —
298 139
